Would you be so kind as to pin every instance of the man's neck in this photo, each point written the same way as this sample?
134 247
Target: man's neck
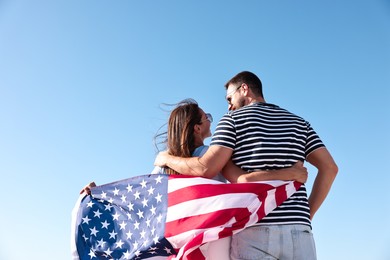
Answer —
256 100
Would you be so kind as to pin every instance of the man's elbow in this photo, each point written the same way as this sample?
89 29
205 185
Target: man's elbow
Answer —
207 173
333 169
202 172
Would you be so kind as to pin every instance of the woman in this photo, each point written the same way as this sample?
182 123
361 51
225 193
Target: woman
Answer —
188 127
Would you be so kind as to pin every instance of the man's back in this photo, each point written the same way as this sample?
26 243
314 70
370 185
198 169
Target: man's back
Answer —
266 137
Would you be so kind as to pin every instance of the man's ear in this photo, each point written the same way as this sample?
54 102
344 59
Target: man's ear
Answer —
247 90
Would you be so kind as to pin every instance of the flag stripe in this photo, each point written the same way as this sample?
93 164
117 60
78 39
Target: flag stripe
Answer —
203 221
202 205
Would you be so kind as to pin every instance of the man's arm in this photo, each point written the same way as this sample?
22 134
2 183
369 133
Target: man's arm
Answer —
208 166
327 171
234 174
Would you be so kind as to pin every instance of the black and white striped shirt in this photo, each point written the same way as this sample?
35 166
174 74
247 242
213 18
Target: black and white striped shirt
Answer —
266 137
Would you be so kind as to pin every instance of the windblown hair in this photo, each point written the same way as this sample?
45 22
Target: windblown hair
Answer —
179 137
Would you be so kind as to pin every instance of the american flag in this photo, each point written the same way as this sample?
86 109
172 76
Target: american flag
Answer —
160 216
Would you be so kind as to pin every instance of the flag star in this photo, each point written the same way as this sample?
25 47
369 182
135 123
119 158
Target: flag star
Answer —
126 255
142 234
113 234
104 195
105 224
145 202
151 190
158 179
116 216
101 243
129 188
135 244
158 197
138 253
136 225
130 206
148 222
168 250
153 248
91 253
140 214
145 243
136 195
153 230
119 244
86 220
123 225
89 204
159 218
143 184
110 200
108 252
97 213
108 207
129 216
94 231
152 252
85 237
129 235
116 192
153 210
155 240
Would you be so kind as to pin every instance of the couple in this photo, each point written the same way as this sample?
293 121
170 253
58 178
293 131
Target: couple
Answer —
255 141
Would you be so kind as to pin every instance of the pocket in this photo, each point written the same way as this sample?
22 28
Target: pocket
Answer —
251 244
303 243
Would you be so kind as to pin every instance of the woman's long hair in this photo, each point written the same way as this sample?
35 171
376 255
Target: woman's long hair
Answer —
179 137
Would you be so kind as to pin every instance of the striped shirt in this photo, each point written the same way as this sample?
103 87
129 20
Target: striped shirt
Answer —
266 137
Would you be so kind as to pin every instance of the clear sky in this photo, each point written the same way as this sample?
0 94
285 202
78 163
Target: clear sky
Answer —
82 83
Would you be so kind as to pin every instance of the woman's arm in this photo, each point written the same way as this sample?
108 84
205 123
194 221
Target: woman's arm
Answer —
235 174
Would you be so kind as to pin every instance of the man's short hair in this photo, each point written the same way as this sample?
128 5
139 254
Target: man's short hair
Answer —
250 79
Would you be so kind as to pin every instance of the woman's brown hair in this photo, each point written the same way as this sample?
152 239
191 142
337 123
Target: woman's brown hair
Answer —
180 129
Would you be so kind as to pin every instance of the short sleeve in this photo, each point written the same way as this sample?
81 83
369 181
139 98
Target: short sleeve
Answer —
225 133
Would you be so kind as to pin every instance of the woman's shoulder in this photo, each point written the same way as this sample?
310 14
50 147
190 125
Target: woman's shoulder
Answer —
201 150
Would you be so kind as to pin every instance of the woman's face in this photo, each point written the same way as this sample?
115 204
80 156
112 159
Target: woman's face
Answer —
204 125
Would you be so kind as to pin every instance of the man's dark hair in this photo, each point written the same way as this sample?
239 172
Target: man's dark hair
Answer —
250 79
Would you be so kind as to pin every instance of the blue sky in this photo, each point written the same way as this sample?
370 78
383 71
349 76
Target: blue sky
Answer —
82 83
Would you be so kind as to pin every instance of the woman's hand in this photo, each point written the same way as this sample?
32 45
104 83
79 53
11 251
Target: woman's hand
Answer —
297 172
161 159
87 188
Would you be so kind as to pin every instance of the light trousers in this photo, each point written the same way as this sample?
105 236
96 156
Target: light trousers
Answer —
271 242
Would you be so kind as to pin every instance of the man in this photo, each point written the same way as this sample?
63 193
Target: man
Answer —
257 135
